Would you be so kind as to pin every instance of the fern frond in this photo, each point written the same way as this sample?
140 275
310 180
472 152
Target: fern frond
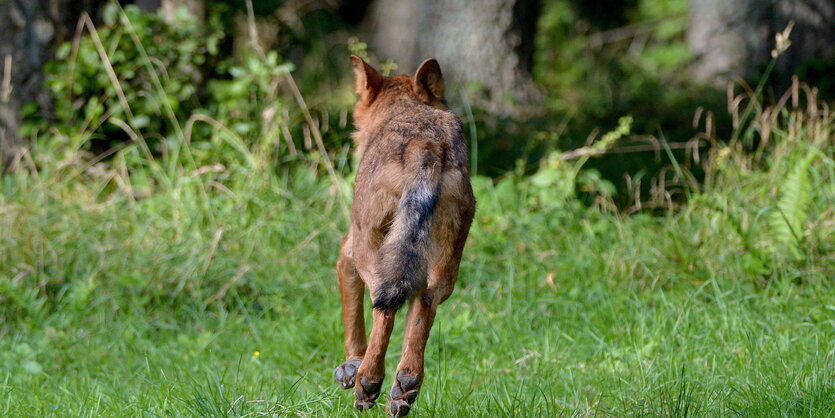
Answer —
786 222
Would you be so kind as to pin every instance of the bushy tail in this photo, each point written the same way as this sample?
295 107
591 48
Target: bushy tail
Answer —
402 265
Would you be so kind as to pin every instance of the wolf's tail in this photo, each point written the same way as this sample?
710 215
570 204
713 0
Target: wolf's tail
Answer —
402 264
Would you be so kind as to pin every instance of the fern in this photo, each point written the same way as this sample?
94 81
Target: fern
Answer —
786 222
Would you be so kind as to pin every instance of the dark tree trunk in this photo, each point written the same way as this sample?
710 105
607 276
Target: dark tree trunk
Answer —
484 46
30 30
734 39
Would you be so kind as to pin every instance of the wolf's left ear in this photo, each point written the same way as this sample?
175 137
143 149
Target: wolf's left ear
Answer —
369 81
428 81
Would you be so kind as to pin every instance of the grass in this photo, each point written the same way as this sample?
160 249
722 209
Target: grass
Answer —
201 281
123 296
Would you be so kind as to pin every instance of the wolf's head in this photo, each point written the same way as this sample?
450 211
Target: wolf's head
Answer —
380 95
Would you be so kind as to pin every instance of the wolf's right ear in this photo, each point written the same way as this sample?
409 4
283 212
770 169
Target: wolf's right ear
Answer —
429 82
369 81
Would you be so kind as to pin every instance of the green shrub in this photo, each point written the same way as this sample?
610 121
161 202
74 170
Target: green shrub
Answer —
159 69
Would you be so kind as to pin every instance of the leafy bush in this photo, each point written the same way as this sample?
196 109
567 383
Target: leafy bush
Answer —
158 69
138 80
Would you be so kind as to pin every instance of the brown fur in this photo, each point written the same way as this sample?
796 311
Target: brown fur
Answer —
413 206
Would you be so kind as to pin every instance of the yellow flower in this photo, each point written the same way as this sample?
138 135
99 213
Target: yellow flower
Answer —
256 354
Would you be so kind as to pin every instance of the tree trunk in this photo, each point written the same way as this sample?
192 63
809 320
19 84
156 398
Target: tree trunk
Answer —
734 39
484 48
30 31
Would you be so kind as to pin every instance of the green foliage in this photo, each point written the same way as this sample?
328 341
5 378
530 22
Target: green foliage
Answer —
775 201
248 101
788 219
181 93
142 51
594 72
358 48
557 179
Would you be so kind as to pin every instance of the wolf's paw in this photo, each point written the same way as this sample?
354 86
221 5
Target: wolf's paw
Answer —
404 392
367 392
346 372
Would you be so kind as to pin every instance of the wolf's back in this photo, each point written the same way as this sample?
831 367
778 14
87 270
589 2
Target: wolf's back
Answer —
402 266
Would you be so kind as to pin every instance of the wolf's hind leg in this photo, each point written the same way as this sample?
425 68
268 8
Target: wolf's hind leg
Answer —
373 368
419 320
351 289
409 375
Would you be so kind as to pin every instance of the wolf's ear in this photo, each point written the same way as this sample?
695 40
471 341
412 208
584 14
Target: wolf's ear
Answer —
429 82
369 81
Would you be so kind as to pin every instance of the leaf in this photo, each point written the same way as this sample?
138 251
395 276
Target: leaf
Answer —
787 220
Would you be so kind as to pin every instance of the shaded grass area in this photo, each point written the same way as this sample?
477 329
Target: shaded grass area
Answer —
128 289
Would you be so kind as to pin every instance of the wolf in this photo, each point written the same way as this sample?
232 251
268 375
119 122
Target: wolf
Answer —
412 210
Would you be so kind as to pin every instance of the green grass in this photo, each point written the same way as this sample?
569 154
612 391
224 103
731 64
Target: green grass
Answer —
127 298
144 285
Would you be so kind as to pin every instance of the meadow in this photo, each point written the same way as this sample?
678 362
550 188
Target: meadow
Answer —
195 276
179 285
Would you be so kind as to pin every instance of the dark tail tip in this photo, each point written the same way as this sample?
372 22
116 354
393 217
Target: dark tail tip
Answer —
391 300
